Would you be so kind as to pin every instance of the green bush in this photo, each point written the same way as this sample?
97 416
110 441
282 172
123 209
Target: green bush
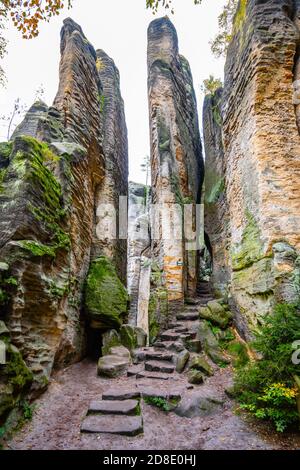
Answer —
266 387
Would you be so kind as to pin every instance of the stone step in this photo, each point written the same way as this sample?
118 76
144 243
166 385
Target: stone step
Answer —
191 308
121 394
187 316
153 392
174 324
159 366
113 424
190 335
133 370
181 329
152 354
169 335
159 356
115 407
153 375
175 346
161 344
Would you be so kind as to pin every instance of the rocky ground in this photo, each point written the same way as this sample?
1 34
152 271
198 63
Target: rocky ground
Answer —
60 411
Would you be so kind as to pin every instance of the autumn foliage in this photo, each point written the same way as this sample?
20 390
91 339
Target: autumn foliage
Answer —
26 15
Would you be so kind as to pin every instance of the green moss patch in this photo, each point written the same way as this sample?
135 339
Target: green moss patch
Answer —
105 296
250 250
32 163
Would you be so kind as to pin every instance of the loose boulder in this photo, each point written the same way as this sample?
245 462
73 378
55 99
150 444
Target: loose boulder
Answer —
200 363
133 337
110 339
198 405
195 377
112 366
120 351
210 344
105 296
181 360
216 314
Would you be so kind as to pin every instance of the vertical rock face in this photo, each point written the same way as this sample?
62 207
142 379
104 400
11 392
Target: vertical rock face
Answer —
262 157
115 147
51 175
216 209
176 157
139 245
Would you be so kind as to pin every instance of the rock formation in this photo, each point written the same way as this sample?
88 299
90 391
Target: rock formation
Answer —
62 162
216 210
115 184
139 254
176 163
261 159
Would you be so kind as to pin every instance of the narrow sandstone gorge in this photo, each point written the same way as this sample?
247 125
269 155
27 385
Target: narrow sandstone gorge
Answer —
124 296
216 208
176 162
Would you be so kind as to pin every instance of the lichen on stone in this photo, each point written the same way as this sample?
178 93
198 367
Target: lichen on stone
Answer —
214 185
250 250
106 298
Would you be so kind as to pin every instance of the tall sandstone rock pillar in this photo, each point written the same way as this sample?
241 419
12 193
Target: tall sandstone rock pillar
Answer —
215 202
52 173
176 158
115 183
262 158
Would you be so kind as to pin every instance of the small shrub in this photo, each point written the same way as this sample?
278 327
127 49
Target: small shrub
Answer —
266 387
27 410
276 403
158 402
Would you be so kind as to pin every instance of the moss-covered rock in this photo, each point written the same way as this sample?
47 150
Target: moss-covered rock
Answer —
158 309
105 296
181 360
195 377
216 314
210 344
16 379
110 339
201 364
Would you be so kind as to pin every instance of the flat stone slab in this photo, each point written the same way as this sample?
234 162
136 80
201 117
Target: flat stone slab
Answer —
153 392
125 394
159 356
169 336
134 370
153 375
187 316
113 424
116 407
161 344
159 366
181 329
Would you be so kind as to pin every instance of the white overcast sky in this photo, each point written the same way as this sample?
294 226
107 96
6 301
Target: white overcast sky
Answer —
120 28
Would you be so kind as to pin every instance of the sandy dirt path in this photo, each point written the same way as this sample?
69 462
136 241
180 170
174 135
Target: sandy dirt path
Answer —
60 411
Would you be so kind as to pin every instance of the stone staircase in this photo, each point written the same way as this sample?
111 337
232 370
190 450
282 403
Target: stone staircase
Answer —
119 411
